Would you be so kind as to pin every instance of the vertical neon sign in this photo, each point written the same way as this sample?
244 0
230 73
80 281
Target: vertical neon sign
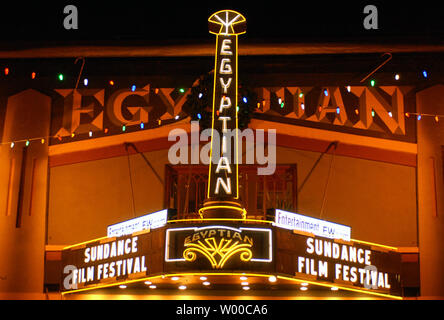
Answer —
223 188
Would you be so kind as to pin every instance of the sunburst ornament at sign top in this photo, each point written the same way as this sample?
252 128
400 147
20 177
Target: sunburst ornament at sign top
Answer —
227 22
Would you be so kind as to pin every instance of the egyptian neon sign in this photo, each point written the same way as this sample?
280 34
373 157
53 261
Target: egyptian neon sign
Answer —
219 247
223 187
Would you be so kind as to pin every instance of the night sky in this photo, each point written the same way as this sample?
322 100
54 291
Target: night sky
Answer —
154 21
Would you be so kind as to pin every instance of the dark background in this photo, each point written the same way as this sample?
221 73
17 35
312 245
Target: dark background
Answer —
153 21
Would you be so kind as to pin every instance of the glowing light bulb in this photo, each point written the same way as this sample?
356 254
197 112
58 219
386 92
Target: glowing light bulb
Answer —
199 116
334 288
153 286
85 81
142 125
176 117
303 288
12 145
244 283
27 143
397 77
133 88
348 88
373 113
111 82
123 128
326 92
90 133
122 286
42 141
148 282
244 99
33 75
436 118
200 95
60 76
301 95
6 71
418 117
181 90
175 278
243 278
372 83
424 73
272 279
407 115
206 283
338 110
390 114
279 100
182 287
302 106
245 288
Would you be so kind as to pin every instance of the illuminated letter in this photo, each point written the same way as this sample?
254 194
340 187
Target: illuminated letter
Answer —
225 66
344 254
310 248
224 122
300 264
367 257
223 104
323 269
337 270
224 144
336 251
226 46
127 246
360 258
134 247
226 186
354 276
225 86
225 166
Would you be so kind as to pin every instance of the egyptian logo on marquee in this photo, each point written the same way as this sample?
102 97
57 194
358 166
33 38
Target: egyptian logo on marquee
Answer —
218 245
